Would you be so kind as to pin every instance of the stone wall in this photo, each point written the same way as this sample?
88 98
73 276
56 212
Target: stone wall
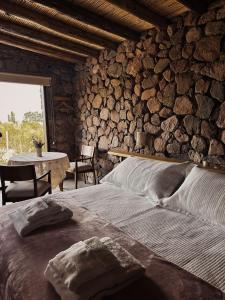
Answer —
13 60
169 84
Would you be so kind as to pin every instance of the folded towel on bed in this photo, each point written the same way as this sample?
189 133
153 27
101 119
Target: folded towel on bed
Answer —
38 213
92 269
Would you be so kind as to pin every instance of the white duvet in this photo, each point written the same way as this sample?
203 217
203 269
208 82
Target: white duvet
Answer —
189 242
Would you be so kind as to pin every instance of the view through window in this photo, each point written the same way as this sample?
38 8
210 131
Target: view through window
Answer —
21 118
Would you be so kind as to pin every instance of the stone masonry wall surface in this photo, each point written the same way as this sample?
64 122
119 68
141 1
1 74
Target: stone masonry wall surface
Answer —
169 84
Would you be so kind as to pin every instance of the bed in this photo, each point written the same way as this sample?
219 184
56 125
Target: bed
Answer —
183 253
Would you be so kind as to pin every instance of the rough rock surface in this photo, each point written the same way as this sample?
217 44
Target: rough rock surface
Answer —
169 84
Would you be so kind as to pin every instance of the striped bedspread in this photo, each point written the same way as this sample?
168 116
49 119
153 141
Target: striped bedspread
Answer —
191 243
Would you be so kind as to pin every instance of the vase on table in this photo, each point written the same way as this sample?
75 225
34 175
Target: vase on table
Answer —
39 151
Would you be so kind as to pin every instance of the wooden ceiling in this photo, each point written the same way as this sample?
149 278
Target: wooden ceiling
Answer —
71 30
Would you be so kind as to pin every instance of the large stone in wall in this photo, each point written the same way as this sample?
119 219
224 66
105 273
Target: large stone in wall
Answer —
149 93
221 118
150 82
192 124
167 74
217 90
161 65
202 86
160 144
187 51
208 49
180 136
134 66
169 95
103 143
179 66
151 129
115 141
155 120
205 106
215 70
198 143
215 28
115 70
137 89
193 35
138 109
104 114
208 130
170 124
97 102
183 106
132 127
118 92
115 82
175 52
153 105
111 103
122 126
184 82
216 148
148 62
173 148
165 112
129 140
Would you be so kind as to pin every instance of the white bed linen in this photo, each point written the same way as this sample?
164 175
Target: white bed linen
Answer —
187 241
193 244
109 201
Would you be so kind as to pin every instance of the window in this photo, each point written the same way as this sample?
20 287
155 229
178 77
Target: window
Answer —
22 116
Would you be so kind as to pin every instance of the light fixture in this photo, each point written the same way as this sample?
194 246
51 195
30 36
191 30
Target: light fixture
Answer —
140 139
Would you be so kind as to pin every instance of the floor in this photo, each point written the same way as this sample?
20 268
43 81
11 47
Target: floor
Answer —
68 185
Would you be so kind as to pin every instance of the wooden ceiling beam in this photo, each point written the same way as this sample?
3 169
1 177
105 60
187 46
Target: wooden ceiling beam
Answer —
87 17
40 49
20 31
141 11
199 6
12 9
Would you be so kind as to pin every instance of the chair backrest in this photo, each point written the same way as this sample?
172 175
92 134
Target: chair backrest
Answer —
17 173
87 151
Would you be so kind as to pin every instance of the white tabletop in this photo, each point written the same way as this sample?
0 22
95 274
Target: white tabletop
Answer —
32 157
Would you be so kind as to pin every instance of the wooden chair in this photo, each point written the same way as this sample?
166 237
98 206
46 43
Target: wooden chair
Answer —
83 164
23 183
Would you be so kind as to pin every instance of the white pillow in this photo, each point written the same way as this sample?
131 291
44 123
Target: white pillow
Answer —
152 178
202 194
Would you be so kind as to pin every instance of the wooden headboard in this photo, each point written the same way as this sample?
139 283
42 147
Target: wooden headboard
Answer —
124 154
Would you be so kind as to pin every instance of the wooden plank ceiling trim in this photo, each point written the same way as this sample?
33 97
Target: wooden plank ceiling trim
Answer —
18 30
82 15
40 49
141 11
11 8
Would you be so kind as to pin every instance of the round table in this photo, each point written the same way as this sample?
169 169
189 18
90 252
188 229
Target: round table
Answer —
57 162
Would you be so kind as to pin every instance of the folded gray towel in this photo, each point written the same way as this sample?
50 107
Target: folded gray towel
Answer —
38 213
92 269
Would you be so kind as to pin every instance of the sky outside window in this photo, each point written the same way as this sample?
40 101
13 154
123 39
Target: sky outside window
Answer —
19 98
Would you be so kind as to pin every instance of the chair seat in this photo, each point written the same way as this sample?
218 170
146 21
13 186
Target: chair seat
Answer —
81 167
25 189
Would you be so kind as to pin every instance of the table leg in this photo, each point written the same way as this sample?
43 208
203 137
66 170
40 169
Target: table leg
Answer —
61 186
